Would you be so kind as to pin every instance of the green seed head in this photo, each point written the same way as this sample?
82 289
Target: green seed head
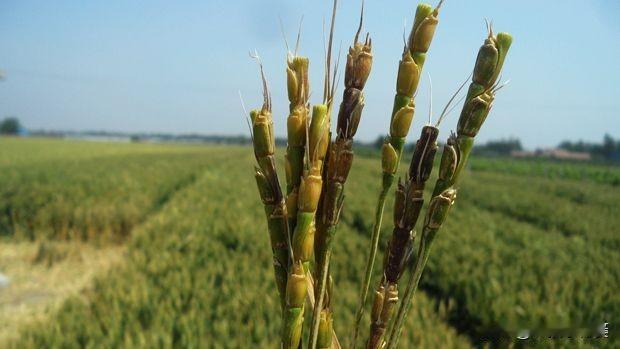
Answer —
296 126
292 328
262 127
391 297
264 189
482 90
297 80
321 152
377 304
408 75
449 160
291 203
253 114
402 121
310 192
423 28
486 63
389 158
296 286
504 40
421 13
325 329
303 243
291 85
319 129
474 114
438 209
491 58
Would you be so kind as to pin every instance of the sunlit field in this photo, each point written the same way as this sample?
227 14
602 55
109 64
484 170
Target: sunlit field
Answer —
151 245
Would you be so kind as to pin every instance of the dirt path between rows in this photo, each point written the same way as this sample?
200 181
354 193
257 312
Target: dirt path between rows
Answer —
35 287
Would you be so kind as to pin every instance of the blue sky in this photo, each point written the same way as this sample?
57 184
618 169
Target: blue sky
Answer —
177 67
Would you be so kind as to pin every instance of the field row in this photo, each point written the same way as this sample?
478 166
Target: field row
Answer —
516 252
99 196
576 171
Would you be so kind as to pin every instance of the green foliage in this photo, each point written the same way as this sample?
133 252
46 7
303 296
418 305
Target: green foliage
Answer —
518 250
94 195
608 149
586 172
498 147
10 126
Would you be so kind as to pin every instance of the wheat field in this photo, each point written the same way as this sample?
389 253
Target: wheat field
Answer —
127 245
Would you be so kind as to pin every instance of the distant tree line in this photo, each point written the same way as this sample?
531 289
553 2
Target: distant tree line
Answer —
499 147
10 126
609 149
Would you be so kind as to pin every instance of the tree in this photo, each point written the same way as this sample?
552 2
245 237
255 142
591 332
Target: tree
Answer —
609 146
10 126
500 147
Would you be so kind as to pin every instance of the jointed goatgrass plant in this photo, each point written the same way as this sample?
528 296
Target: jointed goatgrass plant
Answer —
269 188
293 239
298 89
302 225
409 72
476 108
407 206
339 161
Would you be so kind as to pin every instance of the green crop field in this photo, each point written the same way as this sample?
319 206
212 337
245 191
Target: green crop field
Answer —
528 245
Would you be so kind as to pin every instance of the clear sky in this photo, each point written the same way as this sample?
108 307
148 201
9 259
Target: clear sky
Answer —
177 66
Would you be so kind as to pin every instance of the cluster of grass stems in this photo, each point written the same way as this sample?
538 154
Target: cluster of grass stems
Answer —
303 219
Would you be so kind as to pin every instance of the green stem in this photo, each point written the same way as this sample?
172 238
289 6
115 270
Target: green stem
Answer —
412 286
327 223
318 304
374 243
326 231
388 180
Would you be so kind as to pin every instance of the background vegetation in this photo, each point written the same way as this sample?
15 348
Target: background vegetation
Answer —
530 244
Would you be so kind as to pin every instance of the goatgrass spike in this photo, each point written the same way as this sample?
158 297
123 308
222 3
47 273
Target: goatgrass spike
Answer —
339 162
407 206
297 123
409 71
383 307
308 197
296 289
277 232
326 325
456 152
268 185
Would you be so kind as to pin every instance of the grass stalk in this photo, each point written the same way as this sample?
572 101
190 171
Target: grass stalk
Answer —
409 71
298 89
303 236
407 207
266 176
339 162
476 108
